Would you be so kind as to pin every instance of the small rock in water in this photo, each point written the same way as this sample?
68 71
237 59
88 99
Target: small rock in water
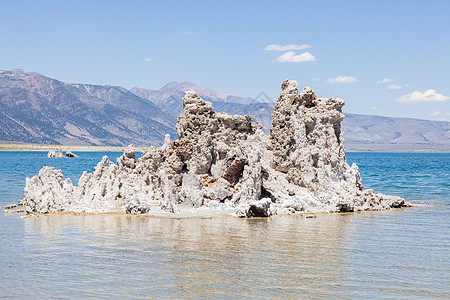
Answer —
136 207
55 154
259 208
10 206
70 154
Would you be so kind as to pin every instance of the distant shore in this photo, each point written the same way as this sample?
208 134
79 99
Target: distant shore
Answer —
350 147
64 148
373 147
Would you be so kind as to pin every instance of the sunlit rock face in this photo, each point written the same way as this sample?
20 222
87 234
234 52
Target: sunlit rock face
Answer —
55 154
225 165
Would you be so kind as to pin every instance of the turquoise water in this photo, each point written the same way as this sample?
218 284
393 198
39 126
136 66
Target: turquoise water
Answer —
401 253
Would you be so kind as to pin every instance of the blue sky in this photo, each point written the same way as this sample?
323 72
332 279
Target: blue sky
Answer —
340 48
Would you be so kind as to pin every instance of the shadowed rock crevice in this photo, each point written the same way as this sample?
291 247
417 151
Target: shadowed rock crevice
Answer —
234 171
225 165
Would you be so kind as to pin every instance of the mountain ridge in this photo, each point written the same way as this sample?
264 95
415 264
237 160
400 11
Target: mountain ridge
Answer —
38 109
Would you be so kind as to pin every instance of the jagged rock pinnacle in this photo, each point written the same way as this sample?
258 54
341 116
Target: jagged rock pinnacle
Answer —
224 164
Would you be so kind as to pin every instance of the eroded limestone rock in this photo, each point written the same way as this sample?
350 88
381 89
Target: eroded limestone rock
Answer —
225 164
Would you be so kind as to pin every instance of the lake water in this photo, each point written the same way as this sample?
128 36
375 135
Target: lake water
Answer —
401 253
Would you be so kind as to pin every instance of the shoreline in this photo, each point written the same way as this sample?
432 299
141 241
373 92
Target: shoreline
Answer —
5 146
203 214
64 148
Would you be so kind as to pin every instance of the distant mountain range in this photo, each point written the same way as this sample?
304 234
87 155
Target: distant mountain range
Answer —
38 109
377 133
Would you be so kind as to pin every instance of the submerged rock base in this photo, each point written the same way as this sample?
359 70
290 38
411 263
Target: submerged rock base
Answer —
225 165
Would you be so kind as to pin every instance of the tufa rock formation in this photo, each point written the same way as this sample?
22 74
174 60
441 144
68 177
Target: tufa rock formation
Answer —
55 154
70 154
59 154
224 165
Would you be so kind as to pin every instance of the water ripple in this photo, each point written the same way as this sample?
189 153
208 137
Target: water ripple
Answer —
392 254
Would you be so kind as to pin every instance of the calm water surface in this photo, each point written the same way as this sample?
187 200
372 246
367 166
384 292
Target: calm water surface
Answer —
393 254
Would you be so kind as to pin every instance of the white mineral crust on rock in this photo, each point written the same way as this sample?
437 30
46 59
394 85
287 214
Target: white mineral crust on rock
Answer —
55 154
224 165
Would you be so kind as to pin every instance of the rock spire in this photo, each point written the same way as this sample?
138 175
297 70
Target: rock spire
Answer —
225 165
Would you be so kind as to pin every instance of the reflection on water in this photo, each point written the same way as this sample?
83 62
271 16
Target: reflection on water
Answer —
273 257
361 255
392 254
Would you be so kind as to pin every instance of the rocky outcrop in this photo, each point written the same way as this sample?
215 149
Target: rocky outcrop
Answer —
70 154
224 164
55 154
137 207
59 154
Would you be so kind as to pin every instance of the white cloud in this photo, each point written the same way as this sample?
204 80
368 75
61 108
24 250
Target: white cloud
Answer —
273 47
394 87
342 79
373 108
316 79
436 113
147 59
427 96
385 80
187 33
291 57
